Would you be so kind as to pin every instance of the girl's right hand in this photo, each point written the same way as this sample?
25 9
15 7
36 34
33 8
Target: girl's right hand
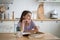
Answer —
22 24
23 21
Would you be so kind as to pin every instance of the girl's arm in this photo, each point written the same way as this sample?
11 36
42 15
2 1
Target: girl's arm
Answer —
34 30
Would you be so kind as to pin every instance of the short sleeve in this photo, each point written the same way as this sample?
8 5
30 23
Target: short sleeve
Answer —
32 24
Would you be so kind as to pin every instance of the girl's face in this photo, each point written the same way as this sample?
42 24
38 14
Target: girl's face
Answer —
27 17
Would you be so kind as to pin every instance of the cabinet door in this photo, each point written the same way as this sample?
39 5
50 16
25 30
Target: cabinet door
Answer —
7 27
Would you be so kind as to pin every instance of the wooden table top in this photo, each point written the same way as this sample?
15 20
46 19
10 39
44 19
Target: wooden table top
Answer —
12 36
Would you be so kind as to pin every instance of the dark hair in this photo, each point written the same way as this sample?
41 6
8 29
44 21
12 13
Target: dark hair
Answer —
23 14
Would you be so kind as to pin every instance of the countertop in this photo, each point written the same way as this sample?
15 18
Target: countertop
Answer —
12 36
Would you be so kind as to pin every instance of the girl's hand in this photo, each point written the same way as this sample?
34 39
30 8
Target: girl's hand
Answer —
23 24
24 21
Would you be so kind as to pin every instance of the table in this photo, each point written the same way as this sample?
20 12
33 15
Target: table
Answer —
12 36
45 36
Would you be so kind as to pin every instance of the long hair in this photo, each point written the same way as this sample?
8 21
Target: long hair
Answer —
23 14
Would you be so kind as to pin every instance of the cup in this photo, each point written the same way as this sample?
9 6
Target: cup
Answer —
19 34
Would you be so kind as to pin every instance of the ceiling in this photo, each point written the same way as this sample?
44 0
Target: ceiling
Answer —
6 1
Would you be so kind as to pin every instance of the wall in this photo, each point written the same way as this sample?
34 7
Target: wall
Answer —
20 5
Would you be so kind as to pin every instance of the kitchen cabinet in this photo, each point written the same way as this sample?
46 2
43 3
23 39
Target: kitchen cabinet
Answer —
49 26
7 27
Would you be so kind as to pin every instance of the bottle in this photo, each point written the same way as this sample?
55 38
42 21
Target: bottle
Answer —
8 16
4 16
13 15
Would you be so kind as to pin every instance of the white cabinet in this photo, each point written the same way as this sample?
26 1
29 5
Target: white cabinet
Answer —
49 27
7 27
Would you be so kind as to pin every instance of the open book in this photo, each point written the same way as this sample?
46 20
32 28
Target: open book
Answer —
26 33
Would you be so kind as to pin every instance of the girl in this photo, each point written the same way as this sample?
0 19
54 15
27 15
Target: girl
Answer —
26 24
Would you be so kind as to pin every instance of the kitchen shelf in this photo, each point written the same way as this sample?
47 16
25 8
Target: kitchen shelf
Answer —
46 19
7 20
37 20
